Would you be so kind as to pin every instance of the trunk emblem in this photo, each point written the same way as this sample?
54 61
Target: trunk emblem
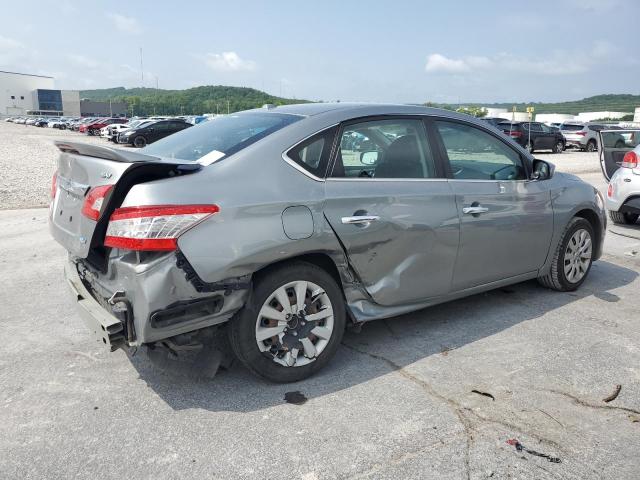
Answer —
83 240
106 175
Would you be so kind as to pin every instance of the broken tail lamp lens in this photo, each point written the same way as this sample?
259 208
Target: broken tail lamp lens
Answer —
154 227
93 202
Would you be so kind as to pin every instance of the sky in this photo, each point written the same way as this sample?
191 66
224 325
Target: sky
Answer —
402 51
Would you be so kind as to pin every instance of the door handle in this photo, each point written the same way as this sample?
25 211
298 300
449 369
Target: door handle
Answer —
360 219
475 210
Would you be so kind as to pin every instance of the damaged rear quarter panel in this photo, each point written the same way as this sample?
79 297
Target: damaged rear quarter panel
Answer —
252 189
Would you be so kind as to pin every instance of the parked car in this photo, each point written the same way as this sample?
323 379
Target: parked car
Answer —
534 136
581 135
20 120
114 129
8 119
493 121
151 132
30 121
255 225
621 168
115 135
41 122
53 122
95 127
81 126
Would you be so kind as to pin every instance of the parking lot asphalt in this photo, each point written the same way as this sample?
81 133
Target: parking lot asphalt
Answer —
397 401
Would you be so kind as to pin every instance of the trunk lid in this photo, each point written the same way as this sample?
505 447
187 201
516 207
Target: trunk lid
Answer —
82 167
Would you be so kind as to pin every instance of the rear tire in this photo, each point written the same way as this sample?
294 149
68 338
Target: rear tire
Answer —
592 146
621 218
268 358
569 253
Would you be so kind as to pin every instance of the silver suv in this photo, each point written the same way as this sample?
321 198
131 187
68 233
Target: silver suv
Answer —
581 135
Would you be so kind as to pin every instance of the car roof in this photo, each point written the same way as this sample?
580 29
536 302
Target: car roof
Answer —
312 109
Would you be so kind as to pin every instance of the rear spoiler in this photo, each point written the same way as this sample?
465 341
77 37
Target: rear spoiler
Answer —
114 154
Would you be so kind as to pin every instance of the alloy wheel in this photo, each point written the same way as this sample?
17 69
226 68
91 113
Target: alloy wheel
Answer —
591 147
295 324
577 256
559 147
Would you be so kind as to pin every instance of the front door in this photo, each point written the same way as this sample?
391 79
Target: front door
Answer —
392 208
506 221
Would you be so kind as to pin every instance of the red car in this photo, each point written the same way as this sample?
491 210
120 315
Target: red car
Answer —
94 127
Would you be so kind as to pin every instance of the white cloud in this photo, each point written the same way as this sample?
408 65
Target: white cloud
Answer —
439 63
83 61
12 51
125 24
559 62
228 62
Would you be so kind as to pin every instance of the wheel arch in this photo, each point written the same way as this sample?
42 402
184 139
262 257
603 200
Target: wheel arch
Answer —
320 259
594 219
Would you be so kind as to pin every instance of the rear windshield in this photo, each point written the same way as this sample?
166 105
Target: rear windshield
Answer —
509 126
219 137
571 128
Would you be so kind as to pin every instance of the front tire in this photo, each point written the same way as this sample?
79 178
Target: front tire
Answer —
572 259
529 146
621 218
139 141
280 341
559 147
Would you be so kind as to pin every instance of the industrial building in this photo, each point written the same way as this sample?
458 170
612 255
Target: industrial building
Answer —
91 108
25 94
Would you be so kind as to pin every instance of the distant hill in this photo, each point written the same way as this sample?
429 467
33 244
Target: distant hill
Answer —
598 103
198 100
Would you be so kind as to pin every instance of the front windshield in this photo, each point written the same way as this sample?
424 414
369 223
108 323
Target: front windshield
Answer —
219 137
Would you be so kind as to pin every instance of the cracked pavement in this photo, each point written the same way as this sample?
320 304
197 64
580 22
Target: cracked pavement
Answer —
396 401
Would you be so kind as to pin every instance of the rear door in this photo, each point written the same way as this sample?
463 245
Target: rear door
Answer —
613 145
389 203
506 221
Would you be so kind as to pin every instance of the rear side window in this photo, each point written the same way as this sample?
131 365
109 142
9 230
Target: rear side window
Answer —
313 154
571 128
220 137
477 155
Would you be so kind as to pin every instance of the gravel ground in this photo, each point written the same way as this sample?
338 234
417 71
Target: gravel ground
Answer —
28 160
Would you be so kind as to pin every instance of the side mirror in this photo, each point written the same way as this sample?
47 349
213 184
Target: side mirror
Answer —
369 158
542 170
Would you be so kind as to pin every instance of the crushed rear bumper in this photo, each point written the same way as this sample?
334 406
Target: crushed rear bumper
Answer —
136 303
105 327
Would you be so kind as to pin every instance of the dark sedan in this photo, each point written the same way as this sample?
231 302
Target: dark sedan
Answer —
145 134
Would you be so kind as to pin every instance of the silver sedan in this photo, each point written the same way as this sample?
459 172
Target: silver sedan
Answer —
277 228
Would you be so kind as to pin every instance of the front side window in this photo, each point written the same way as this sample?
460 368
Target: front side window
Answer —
477 155
383 149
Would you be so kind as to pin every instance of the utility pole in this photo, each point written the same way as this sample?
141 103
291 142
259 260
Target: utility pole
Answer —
141 69
156 99
110 109
227 107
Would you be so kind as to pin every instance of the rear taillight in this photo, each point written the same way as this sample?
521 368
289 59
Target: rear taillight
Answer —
155 227
581 134
94 200
610 190
630 160
515 134
54 185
